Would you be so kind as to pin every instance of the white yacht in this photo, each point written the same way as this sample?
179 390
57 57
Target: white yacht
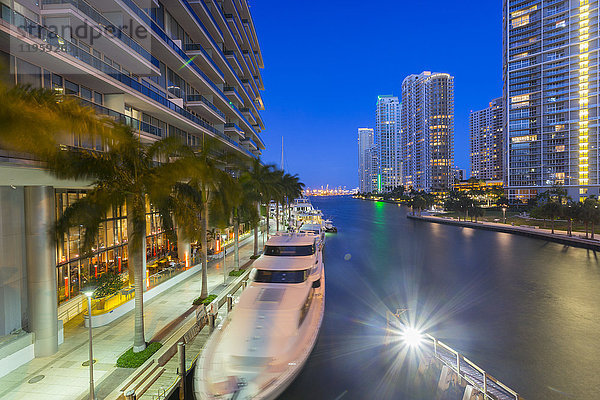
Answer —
265 341
315 229
302 211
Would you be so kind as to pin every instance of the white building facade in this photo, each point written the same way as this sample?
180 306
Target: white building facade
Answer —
189 69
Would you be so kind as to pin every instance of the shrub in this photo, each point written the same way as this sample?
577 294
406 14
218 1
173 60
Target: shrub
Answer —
129 359
239 272
205 301
106 284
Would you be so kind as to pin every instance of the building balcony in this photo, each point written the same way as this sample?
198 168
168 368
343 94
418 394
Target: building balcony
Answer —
248 114
106 37
232 59
204 107
194 50
232 127
233 94
250 143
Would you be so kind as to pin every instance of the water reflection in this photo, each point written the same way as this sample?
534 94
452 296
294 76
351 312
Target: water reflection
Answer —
524 309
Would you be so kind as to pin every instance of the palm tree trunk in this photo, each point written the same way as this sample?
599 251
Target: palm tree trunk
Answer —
256 225
570 227
593 229
552 225
136 230
586 229
268 217
277 215
204 239
236 238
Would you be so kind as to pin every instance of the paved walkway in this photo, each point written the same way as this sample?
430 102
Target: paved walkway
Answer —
64 376
577 239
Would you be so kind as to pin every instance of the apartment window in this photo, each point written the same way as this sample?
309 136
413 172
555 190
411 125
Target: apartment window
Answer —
57 83
98 98
28 74
71 88
86 93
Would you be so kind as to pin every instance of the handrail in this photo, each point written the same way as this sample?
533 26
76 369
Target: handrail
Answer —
457 357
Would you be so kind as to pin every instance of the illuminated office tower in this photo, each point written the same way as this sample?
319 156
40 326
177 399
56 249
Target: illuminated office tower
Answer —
427 131
486 141
367 161
551 94
387 141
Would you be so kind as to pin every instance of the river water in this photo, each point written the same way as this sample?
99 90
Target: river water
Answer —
526 310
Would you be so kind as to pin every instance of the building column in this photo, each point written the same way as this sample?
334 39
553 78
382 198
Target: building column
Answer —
40 248
183 248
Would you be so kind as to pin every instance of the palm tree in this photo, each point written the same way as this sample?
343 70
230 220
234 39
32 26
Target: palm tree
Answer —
124 175
36 121
256 181
589 214
292 189
206 173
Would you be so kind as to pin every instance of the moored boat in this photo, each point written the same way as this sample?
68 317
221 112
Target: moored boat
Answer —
267 338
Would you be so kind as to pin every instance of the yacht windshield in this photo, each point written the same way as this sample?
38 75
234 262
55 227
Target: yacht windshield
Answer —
305 250
268 276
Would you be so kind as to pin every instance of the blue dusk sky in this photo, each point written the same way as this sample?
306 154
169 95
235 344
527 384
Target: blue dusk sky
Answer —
327 61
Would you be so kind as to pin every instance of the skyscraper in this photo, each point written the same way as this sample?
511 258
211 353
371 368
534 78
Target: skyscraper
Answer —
486 141
387 141
367 161
427 131
551 94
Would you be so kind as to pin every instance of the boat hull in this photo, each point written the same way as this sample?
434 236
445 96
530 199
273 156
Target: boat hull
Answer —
277 383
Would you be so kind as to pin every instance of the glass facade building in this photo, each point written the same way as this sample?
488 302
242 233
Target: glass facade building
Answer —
486 141
427 132
367 161
387 142
551 96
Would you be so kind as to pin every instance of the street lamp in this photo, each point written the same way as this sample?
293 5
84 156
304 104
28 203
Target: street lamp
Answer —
504 214
89 292
224 260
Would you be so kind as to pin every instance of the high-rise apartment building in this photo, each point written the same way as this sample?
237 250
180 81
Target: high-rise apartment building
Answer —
551 93
427 131
487 142
189 69
367 161
387 141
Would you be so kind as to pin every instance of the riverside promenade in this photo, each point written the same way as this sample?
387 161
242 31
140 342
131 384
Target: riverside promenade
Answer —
62 375
576 240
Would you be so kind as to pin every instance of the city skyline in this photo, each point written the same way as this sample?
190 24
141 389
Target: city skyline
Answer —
472 53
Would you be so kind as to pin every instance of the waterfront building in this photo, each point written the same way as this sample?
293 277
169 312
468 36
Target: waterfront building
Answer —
367 160
551 94
189 69
427 131
487 141
387 141
477 185
460 174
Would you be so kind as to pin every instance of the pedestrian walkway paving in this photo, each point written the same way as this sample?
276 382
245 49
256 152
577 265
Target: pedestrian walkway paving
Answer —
63 375
576 239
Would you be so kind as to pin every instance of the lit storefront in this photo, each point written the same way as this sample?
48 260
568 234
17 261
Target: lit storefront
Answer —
109 253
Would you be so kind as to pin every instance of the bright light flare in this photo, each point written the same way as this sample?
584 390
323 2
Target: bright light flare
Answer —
412 337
